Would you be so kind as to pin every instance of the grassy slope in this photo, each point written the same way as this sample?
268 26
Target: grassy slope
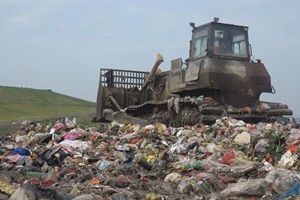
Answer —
24 103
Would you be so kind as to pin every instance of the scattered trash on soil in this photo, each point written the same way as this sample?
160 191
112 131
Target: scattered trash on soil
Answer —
229 159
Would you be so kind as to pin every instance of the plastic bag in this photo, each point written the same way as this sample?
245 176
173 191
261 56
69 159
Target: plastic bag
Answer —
71 136
261 146
87 197
295 190
287 159
294 135
21 151
172 177
179 147
22 193
243 138
279 185
184 187
256 187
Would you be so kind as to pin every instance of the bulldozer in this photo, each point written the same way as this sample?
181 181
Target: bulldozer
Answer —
219 79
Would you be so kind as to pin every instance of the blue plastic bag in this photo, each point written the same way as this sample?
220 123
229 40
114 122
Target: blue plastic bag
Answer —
21 151
292 192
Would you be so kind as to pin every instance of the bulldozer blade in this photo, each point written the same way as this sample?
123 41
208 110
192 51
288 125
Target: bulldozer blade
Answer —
120 117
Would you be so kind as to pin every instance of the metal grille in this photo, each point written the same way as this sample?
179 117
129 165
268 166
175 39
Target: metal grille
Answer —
122 78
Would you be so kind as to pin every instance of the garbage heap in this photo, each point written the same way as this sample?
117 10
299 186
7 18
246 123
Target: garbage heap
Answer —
229 159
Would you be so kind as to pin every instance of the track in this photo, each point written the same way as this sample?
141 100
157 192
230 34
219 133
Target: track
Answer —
178 112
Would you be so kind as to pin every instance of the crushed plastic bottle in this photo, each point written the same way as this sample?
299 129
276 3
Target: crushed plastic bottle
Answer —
32 174
192 165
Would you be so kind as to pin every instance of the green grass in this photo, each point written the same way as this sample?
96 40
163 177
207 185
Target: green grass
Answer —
17 104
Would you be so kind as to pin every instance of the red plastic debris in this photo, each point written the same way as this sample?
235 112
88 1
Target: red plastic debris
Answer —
47 183
59 127
35 180
228 157
134 141
228 180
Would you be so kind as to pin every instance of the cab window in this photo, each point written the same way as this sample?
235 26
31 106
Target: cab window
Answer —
200 44
239 45
230 42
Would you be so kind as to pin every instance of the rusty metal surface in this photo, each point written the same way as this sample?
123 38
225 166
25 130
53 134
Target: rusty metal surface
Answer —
237 83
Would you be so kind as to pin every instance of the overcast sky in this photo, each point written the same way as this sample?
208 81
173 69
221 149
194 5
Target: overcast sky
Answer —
62 44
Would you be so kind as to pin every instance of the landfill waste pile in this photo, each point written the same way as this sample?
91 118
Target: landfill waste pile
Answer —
229 159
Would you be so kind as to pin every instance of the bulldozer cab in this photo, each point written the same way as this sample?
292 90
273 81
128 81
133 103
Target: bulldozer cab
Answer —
219 40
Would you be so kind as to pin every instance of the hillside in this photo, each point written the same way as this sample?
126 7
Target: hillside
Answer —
25 103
